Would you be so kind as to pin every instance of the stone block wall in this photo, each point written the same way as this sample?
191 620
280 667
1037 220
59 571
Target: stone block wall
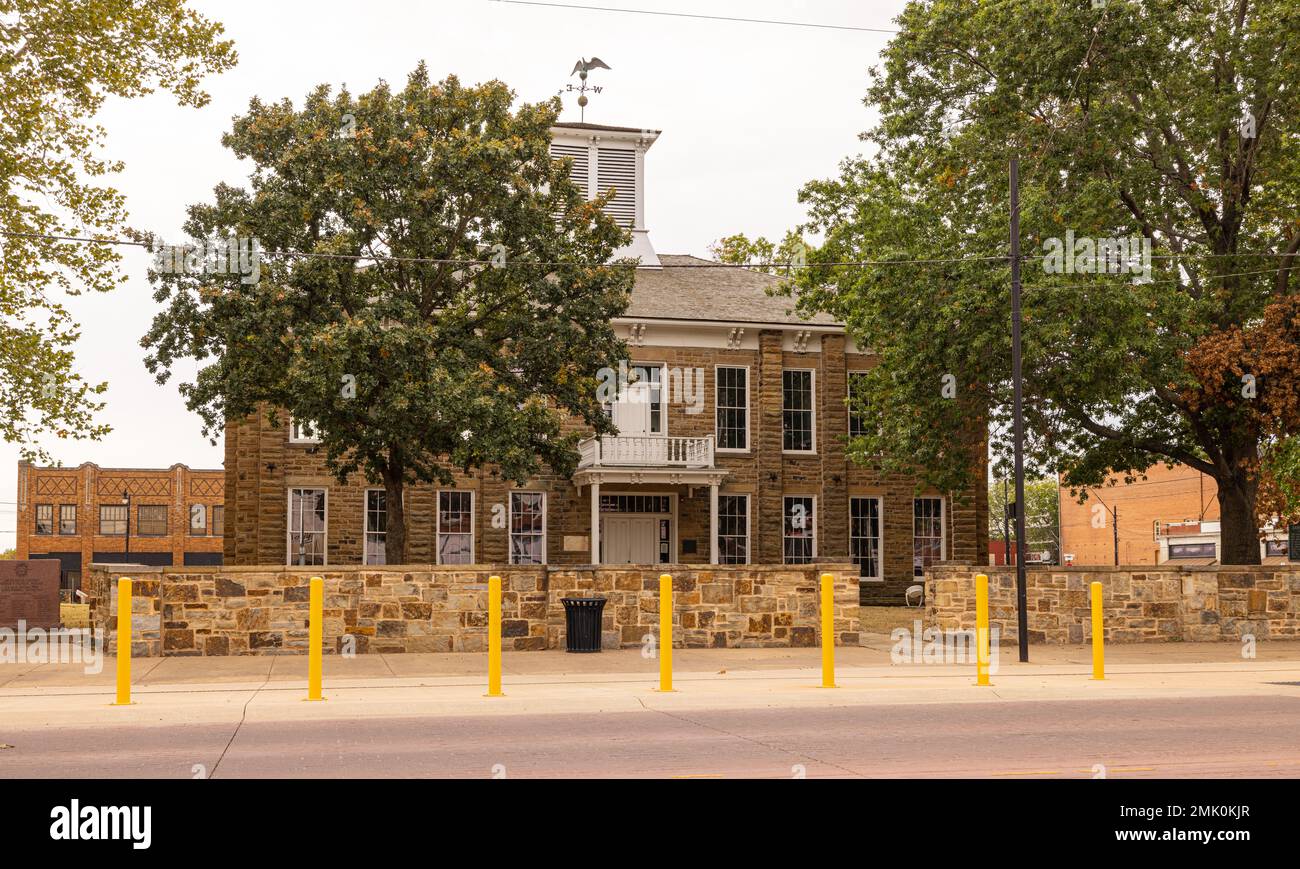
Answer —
426 608
1140 603
719 607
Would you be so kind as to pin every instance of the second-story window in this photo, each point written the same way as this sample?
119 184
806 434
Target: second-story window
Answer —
112 519
151 520
303 431
732 396
198 520
44 518
68 519
797 411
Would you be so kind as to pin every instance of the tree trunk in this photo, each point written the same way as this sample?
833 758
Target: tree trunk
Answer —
395 529
1239 528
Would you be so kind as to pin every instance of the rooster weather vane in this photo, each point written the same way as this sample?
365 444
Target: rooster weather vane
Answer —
582 67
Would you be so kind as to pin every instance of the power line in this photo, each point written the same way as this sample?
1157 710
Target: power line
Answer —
703 17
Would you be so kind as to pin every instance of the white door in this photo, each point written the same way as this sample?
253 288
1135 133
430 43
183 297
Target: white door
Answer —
632 410
629 539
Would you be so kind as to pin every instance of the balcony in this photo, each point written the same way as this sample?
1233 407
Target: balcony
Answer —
645 451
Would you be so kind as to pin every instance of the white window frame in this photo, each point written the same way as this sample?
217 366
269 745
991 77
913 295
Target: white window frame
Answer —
510 524
189 521
880 516
297 437
288 525
749 533
365 525
785 497
473 525
717 407
943 527
812 412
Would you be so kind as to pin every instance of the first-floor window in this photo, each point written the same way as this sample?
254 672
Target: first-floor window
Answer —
151 520
455 527
112 519
927 533
67 518
376 526
864 536
1275 548
733 529
798 534
307 526
44 518
527 528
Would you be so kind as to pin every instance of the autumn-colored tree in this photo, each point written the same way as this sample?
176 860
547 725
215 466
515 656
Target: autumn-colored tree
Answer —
59 61
434 292
1247 381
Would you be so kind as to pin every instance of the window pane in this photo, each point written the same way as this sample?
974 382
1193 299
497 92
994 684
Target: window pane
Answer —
68 519
733 529
198 519
732 399
527 518
796 411
927 533
218 520
376 527
112 519
798 529
455 527
864 535
44 518
151 520
307 526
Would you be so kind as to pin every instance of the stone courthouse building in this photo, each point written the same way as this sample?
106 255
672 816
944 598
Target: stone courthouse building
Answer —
730 446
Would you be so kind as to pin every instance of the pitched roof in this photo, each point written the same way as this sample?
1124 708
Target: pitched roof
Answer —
682 290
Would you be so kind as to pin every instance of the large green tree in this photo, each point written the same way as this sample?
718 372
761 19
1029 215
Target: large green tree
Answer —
1176 123
434 293
59 61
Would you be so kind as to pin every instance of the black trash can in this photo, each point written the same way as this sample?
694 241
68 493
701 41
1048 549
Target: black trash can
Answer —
582 623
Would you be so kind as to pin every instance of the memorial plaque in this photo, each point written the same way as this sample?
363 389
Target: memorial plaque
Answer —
29 591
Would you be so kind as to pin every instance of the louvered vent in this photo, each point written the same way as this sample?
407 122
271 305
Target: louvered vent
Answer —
578 169
616 167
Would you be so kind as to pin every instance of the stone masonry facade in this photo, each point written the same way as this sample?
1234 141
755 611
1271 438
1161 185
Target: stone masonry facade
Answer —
1140 604
428 608
262 465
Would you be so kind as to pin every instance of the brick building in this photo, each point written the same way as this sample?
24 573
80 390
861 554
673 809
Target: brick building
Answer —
731 446
1172 516
163 516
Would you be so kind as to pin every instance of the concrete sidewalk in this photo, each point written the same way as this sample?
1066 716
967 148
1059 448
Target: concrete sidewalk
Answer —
171 691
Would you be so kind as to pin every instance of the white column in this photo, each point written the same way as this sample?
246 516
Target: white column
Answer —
595 522
713 523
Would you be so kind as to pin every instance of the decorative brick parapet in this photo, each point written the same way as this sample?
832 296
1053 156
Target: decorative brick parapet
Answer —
1140 604
424 608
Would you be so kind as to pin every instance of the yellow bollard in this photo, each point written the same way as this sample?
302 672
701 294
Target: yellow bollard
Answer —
316 638
494 637
1098 634
123 642
665 632
982 629
828 631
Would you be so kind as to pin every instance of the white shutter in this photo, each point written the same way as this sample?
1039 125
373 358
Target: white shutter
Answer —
578 170
616 167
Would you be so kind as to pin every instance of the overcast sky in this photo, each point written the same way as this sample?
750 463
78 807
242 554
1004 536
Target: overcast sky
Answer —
749 112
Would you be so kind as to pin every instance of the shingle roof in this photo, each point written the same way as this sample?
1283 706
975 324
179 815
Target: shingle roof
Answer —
683 291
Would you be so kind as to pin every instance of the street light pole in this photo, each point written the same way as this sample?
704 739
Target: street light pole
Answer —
1022 606
126 499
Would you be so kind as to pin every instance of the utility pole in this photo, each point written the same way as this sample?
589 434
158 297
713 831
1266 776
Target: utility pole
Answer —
1022 606
1114 528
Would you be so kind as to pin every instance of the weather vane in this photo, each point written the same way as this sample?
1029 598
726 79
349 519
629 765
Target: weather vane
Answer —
582 67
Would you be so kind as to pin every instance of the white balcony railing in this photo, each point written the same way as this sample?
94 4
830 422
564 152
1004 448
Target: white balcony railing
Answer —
646 451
